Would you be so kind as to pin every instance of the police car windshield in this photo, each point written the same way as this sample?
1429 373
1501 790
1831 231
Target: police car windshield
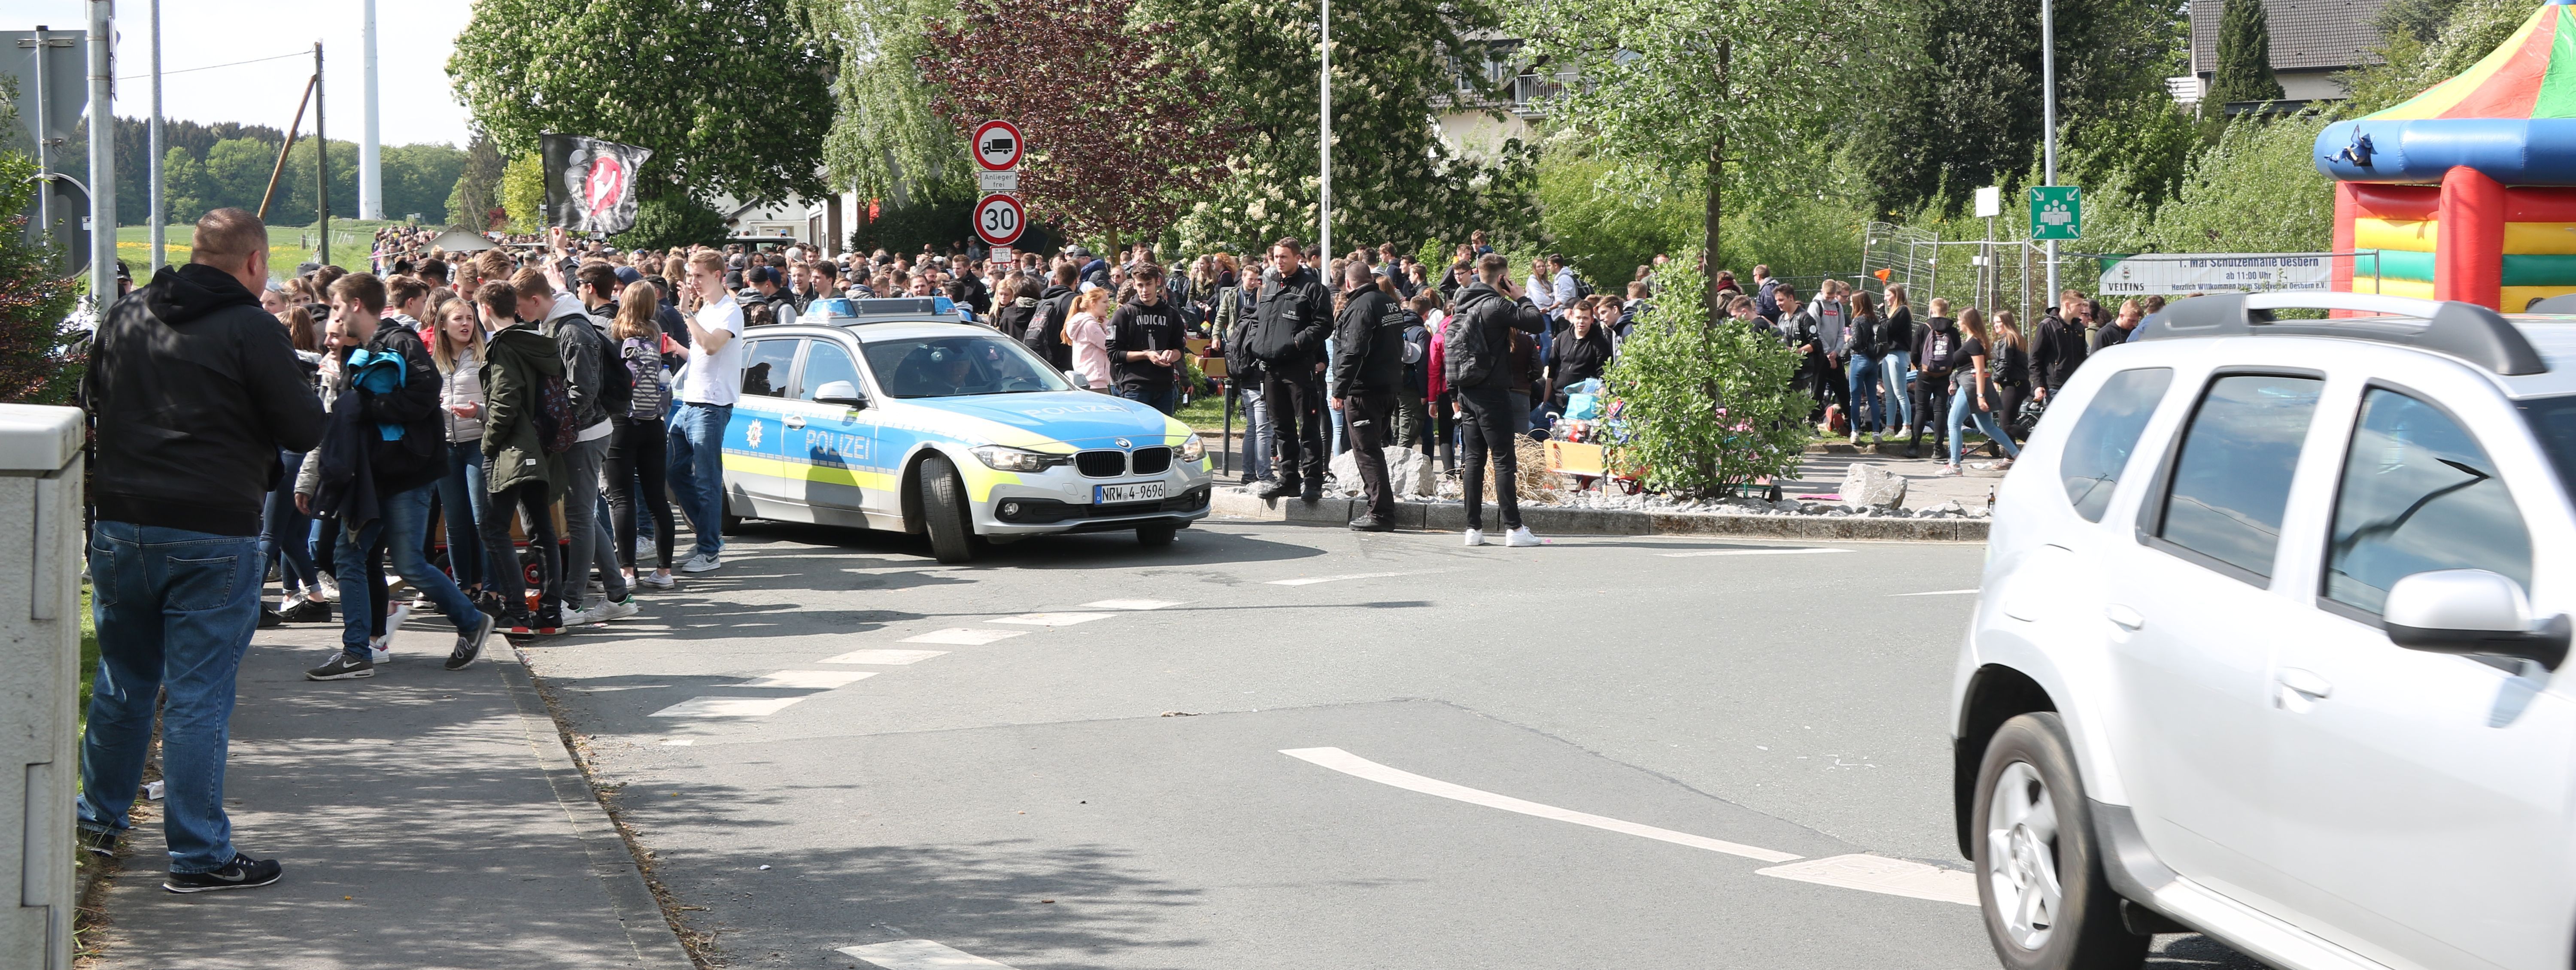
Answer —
958 366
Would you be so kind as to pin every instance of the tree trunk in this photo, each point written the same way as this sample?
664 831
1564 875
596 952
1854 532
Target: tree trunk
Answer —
1716 177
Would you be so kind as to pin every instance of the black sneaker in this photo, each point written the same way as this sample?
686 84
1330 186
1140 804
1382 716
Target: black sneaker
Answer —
243 872
1312 493
550 619
470 645
519 627
1273 488
489 601
99 842
341 667
307 611
270 619
1371 523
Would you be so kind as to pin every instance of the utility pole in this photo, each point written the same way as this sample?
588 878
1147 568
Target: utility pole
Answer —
44 142
102 154
321 167
1324 201
371 186
2048 116
159 231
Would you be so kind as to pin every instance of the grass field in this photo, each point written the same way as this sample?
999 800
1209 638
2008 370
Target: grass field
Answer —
349 242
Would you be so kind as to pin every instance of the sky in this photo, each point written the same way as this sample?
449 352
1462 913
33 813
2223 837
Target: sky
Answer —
413 39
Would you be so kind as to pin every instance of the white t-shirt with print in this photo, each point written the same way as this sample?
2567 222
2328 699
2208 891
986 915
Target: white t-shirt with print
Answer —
714 378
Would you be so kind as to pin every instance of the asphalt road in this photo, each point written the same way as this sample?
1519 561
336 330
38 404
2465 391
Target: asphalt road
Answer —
1581 755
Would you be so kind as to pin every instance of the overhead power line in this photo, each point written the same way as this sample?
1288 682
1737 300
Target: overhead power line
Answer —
209 67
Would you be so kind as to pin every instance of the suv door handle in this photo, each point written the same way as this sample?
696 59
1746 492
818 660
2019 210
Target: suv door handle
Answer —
794 421
2124 616
2306 683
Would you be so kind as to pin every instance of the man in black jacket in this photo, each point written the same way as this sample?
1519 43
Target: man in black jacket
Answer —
2059 347
1368 367
1046 329
1478 365
404 471
194 390
1289 326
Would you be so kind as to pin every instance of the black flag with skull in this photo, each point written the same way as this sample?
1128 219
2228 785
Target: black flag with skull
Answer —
590 184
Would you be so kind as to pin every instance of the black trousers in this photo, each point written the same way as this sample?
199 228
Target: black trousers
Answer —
1931 405
2008 408
637 459
1369 415
1494 419
528 499
1296 405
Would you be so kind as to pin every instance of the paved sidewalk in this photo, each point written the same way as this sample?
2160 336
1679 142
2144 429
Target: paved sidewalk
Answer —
426 819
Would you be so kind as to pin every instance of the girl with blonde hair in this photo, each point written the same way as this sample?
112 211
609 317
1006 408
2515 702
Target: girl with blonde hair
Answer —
1976 394
1088 331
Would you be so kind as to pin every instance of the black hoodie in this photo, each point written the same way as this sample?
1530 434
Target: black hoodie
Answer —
194 389
1045 332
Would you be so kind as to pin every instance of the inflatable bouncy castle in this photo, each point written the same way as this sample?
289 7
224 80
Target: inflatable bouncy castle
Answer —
2468 190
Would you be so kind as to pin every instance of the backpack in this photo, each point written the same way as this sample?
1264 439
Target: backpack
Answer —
1471 362
651 397
1582 287
557 432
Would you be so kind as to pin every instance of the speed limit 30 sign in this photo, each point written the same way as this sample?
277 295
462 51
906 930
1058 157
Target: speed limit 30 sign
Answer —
998 219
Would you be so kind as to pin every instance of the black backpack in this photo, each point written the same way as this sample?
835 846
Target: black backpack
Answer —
1470 361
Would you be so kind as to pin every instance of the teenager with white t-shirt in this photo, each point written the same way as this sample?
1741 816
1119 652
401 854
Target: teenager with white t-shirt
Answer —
707 385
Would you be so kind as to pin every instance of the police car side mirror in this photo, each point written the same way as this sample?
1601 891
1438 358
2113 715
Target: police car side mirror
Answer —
2471 611
1076 378
842 393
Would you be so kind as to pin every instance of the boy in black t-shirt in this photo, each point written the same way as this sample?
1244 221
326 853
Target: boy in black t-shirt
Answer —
1145 342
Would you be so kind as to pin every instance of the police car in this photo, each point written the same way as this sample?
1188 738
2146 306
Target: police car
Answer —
887 414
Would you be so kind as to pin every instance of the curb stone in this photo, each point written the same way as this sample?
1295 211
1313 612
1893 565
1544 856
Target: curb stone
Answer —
1233 503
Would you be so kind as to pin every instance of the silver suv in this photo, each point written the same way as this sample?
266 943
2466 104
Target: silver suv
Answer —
2267 645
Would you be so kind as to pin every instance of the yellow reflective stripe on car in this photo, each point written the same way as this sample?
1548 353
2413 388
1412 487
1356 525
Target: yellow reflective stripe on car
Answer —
980 479
808 472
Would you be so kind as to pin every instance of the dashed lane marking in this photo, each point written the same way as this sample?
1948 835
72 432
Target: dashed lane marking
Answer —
1312 580
964 637
727 707
920 955
1880 874
892 658
1130 604
1748 552
1940 592
809 679
1359 767
1051 619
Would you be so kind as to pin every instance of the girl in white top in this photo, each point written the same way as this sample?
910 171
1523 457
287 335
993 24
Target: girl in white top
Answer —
1088 332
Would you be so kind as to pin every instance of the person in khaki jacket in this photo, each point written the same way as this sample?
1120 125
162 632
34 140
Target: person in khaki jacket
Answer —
517 468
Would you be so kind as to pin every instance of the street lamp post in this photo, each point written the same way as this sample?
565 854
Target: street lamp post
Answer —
1324 198
2048 116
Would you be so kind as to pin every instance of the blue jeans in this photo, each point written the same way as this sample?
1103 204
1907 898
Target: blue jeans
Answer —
1862 371
1256 433
1900 398
697 470
1961 401
285 533
398 533
1166 400
175 610
464 505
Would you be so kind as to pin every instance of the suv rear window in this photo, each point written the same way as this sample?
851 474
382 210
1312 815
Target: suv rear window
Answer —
2100 445
2232 480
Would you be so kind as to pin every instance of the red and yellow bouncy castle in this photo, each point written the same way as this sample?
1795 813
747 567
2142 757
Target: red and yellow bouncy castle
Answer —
2468 190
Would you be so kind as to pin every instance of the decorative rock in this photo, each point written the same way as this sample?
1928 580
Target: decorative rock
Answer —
1408 472
1867 486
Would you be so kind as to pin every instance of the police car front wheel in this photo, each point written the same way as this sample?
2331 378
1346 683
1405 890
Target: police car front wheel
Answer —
943 511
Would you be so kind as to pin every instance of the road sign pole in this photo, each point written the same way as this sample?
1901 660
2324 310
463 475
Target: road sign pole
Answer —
2048 116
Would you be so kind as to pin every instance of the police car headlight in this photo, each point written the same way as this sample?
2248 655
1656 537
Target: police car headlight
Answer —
999 458
1192 449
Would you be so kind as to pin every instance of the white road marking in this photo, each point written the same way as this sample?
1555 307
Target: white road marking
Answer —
727 707
959 636
1130 604
1748 552
809 679
1880 874
679 742
1941 592
1312 580
919 955
893 657
1359 767
1052 619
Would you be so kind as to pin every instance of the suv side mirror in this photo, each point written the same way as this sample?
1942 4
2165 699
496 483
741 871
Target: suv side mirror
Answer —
842 393
2472 611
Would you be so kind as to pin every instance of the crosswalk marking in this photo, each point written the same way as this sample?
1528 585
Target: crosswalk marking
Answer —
1130 604
1053 619
1940 592
964 636
1880 874
920 955
1312 580
888 657
809 679
1746 552
727 707
1359 767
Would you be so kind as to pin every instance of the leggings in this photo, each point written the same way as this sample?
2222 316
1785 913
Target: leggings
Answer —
529 501
1494 417
2008 402
1962 409
638 455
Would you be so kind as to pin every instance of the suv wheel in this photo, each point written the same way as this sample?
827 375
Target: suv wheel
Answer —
943 511
2039 871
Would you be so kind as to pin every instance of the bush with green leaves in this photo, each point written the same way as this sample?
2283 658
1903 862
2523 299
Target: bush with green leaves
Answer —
40 357
1704 410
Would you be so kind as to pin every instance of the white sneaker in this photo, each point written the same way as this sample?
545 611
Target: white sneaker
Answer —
382 648
330 587
1519 537
702 563
658 580
613 610
1475 537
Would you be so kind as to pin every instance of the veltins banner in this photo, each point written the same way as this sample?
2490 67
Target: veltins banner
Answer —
590 184
2176 273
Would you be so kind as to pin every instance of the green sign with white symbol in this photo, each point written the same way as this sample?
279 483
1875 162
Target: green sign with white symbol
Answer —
2057 212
